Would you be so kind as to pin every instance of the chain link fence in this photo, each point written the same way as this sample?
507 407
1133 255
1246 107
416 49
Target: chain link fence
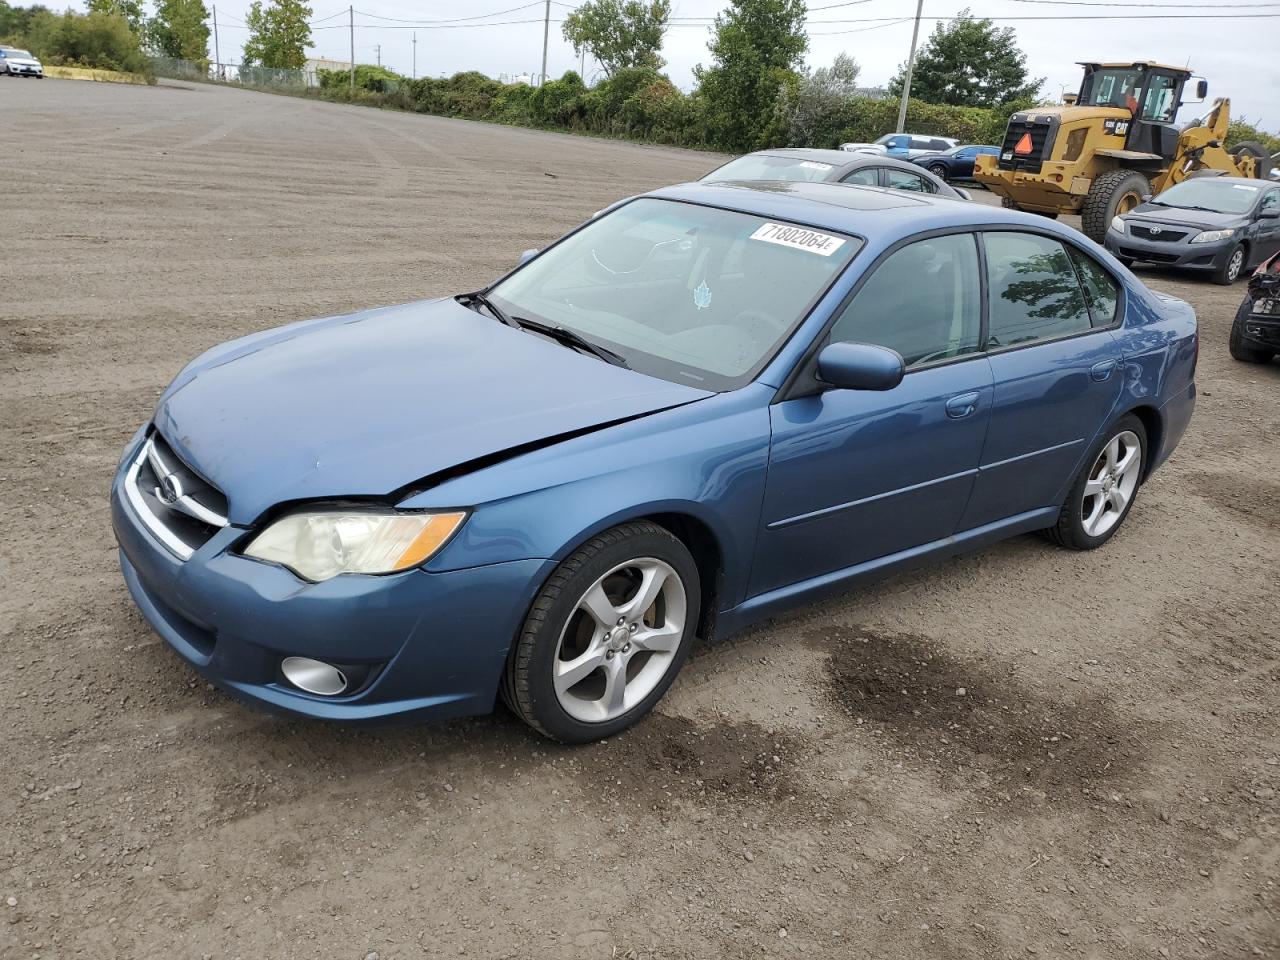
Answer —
244 74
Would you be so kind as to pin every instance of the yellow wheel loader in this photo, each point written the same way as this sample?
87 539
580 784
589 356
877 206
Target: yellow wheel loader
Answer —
1116 143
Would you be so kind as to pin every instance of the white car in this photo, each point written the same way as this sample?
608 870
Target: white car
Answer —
19 63
864 148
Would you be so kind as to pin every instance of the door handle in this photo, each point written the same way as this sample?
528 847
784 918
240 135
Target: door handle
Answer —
1102 369
963 405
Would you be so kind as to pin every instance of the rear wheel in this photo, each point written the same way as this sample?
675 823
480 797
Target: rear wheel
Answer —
1111 195
939 170
1251 148
1231 268
1103 491
1240 350
606 635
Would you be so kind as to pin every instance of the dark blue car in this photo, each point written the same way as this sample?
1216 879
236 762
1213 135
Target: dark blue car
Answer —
705 405
954 164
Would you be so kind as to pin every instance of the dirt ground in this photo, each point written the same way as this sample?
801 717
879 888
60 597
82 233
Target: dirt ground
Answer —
1105 785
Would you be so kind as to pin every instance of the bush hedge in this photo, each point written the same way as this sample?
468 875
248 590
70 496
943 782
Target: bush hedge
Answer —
642 104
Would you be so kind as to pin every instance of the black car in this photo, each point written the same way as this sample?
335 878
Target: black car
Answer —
1255 334
1222 225
835 166
956 163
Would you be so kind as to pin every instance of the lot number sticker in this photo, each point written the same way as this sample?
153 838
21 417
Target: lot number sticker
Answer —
814 165
799 238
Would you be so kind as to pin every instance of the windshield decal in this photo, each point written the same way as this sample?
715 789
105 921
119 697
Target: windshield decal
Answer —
799 238
1244 186
702 296
814 165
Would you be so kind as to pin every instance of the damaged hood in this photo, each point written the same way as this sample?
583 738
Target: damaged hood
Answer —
367 404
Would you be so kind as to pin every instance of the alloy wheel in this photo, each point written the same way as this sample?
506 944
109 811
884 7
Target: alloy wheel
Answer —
620 640
1111 483
1235 265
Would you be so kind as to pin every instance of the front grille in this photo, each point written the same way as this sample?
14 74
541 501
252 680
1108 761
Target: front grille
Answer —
1129 253
1157 234
1043 131
180 507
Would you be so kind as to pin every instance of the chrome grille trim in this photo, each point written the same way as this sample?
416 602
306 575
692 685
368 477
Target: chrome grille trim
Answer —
148 454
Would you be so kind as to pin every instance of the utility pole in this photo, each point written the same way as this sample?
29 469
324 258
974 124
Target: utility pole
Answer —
911 63
415 55
217 57
351 23
546 33
582 70
377 52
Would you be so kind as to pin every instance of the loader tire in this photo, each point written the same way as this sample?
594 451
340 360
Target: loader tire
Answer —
1111 194
1256 150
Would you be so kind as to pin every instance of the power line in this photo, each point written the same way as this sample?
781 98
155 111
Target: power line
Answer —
479 16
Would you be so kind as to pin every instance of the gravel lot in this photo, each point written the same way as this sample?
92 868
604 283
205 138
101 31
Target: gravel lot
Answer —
1105 786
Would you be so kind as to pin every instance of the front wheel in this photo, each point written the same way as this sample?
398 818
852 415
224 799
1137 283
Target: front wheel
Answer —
1231 268
1103 491
1111 195
606 635
939 170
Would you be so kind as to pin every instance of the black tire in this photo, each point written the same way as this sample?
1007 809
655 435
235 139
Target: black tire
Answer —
1256 150
939 170
1069 531
1232 266
1236 343
1106 198
528 687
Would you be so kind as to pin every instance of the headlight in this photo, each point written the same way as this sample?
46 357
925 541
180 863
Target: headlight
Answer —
1211 235
320 544
1117 224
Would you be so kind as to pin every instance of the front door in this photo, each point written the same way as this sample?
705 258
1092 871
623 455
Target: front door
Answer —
855 475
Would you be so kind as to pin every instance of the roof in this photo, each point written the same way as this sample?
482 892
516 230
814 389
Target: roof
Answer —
1145 64
841 158
871 212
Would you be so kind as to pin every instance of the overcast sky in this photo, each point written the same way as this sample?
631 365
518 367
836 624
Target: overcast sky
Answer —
1238 56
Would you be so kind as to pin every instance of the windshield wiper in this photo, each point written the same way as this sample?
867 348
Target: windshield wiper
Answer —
480 298
571 338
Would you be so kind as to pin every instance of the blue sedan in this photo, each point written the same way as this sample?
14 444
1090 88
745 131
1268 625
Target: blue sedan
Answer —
956 163
706 405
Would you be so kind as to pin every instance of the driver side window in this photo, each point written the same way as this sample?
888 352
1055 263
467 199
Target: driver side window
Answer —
923 301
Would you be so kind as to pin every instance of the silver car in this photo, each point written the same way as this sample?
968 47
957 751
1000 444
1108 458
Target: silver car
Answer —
19 63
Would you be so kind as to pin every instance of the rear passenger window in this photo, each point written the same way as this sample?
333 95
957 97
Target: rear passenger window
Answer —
1100 290
924 301
901 180
867 177
1033 290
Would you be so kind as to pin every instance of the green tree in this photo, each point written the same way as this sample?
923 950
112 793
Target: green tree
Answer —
278 34
756 48
969 62
179 29
130 10
619 34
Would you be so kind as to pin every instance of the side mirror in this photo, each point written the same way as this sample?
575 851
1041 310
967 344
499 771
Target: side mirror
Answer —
1202 89
860 366
527 256
1146 198
963 192
1271 213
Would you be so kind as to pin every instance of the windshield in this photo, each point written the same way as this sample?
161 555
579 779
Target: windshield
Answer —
19 54
688 293
759 166
1210 194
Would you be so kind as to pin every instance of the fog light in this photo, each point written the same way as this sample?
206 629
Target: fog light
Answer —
314 676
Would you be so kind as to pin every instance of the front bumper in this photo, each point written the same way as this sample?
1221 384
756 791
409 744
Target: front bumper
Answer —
1180 253
1262 330
435 643
19 70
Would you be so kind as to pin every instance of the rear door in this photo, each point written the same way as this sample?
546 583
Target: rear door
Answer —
1056 366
